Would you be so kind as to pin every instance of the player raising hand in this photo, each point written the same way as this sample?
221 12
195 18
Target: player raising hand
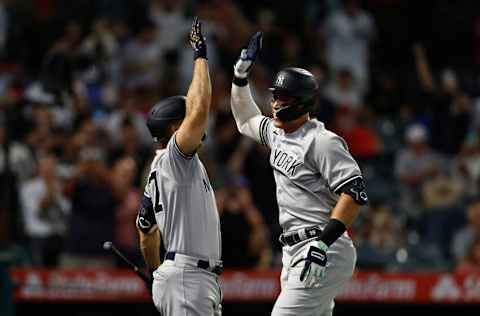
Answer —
319 186
179 204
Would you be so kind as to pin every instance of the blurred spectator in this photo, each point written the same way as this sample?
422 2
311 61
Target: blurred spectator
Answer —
292 50
260 81
129 109
389 94
348 33
225 139
90 141
233 29
101 43
471 264
363 143
61 60
236 162
171 23
243 228
464 239
45 136
449 107
45 211
467 163
129 146
91 223
442 191
221 82
98 79
142 59
123 176
415 164
379 237
343 91
272 53
20 158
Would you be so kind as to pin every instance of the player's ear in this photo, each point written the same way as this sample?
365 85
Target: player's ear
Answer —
174 127
171 129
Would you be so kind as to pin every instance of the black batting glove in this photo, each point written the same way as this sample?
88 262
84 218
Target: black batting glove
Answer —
244 63
197 40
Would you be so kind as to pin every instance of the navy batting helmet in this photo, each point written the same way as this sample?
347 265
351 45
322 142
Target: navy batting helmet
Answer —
298 84
164 113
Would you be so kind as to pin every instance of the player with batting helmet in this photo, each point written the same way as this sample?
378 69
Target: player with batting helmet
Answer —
320 187
178 205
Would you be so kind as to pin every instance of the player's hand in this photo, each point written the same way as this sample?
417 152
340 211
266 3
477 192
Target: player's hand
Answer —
247 57
315 262
197 40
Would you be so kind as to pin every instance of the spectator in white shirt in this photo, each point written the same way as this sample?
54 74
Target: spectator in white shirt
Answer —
415 163
348 33
20 158
45 209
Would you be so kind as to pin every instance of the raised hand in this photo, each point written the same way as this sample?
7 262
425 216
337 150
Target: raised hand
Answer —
247 57
197 40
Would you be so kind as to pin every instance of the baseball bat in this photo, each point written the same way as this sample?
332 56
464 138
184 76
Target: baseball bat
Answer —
109 246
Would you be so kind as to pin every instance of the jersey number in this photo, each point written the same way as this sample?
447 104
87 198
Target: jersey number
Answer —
157 207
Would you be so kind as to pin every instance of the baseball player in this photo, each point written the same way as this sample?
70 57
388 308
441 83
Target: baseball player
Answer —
319 187
179 204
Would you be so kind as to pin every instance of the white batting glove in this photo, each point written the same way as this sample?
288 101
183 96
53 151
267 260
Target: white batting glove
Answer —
242 67
315 262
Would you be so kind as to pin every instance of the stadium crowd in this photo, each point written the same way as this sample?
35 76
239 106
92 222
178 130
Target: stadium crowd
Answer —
78 77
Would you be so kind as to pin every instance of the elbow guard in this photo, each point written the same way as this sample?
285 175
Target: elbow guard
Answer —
356 189
146 221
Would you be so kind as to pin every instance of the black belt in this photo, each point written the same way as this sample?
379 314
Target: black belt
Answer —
294 238
202 264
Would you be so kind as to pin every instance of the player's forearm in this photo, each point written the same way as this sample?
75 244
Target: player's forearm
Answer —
199 94
346 210
191 131
245 111
343 216
150 248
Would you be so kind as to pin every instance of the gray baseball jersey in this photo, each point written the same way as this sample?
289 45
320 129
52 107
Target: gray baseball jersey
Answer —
309 166
183 203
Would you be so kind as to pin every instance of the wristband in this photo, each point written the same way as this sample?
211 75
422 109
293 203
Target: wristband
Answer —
200 53
332 231
241 82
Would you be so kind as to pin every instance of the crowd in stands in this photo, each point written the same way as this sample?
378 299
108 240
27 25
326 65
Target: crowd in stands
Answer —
77 79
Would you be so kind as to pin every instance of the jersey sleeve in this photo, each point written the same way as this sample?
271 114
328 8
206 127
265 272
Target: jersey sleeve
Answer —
265 131
177 164
336 164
